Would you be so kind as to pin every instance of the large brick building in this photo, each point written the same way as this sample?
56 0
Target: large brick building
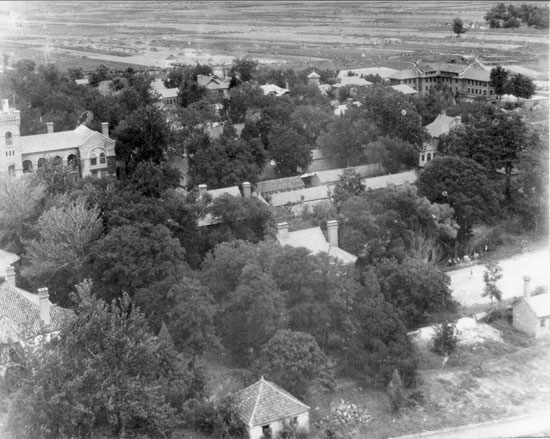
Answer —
470 80
87 152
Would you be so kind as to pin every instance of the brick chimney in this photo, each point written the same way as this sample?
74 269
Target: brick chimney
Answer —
5 106
246 189
282 230
10 276
49 126
202 190
44 305
526 287
332 230
105 128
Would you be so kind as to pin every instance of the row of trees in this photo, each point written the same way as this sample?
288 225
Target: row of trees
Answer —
516 84
513 15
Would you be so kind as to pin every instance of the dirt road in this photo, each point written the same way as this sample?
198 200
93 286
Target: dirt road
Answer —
467 283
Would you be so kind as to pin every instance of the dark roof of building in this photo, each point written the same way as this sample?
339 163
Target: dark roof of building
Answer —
280 184
265 402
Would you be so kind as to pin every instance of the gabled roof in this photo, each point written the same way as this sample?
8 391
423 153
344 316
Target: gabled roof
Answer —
314 240
158 86
442 125
57 141
404 88
383 181
6 259
275 90
211 82
476 73
280 184
540 304
265 402
313 75
20 316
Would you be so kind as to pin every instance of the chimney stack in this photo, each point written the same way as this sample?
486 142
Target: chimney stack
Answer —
10 276
202 190
282 230
526 287
246 189
5 106
49 125
105 128
332 229
44 305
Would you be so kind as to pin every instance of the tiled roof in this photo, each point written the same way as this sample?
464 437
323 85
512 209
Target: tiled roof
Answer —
404 88
404 74
384 180
540 304
441 125
274 90
314 240
212 83
477 73
352 80
281 184
21 316
231 190
265 402
333 175
158 86
6 259
383 72
294 197
443 67
57 141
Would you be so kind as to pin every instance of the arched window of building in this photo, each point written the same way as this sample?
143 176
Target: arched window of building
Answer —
9 138
97 157
102 159
423 157
41 163
72 162
11 170
27 166
429 157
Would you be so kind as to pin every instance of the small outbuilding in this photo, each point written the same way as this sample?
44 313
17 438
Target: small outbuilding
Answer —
264 407
531 314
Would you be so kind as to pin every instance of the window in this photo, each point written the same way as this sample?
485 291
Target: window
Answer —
9 138
93 160
429 157
11 170
27 166
41 163
102 158
423 157
542 323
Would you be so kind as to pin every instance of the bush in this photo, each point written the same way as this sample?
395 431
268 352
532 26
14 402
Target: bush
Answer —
290 430
395 392
445 339
218 419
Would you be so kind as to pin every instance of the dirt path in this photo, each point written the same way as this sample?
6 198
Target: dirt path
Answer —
467 283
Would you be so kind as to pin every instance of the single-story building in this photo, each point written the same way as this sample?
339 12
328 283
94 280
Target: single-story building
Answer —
264 407
531 314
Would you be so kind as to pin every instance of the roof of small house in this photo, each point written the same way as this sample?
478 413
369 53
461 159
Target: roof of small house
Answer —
264 402
20 314
158 86
280 184
404 88
293 197
383 181
275 90
7 258
212 83
314 240
313 75
57 141
441 125
540 304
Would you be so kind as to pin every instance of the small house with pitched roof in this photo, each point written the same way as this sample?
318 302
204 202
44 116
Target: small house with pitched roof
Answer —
264 407
439 127
531 314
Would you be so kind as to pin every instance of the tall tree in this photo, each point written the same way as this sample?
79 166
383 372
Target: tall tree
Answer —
499 80
458 27
289 151
521 86
392 153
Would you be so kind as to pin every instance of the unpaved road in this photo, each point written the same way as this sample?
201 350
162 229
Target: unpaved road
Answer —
467 283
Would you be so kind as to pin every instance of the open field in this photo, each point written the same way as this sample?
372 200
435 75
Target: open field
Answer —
325 34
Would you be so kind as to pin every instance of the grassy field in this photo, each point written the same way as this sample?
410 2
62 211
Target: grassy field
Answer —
298 34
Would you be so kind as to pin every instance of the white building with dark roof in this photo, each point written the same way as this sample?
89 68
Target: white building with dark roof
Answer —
531 314
264 407
440 126
166 96
87 152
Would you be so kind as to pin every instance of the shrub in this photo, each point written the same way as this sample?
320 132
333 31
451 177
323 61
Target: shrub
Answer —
395 392
290 430
445 338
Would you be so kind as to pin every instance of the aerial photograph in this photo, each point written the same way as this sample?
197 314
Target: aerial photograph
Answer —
274 219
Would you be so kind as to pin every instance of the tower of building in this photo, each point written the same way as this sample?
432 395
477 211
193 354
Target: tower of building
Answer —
10 149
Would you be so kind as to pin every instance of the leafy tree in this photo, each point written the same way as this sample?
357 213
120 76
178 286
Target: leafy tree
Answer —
414 288
58 178
143 136
292 359
101 74
392 154
464 185
190 92
134 256
57 258
106 372
20 206
521 86
288 150
491 275
458 27
396 392
499 80
309 121
348 185
243 68
445 338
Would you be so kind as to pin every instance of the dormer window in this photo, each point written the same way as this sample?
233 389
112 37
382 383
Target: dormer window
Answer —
9 138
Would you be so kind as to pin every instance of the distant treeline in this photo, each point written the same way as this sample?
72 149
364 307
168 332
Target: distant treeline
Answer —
513 15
